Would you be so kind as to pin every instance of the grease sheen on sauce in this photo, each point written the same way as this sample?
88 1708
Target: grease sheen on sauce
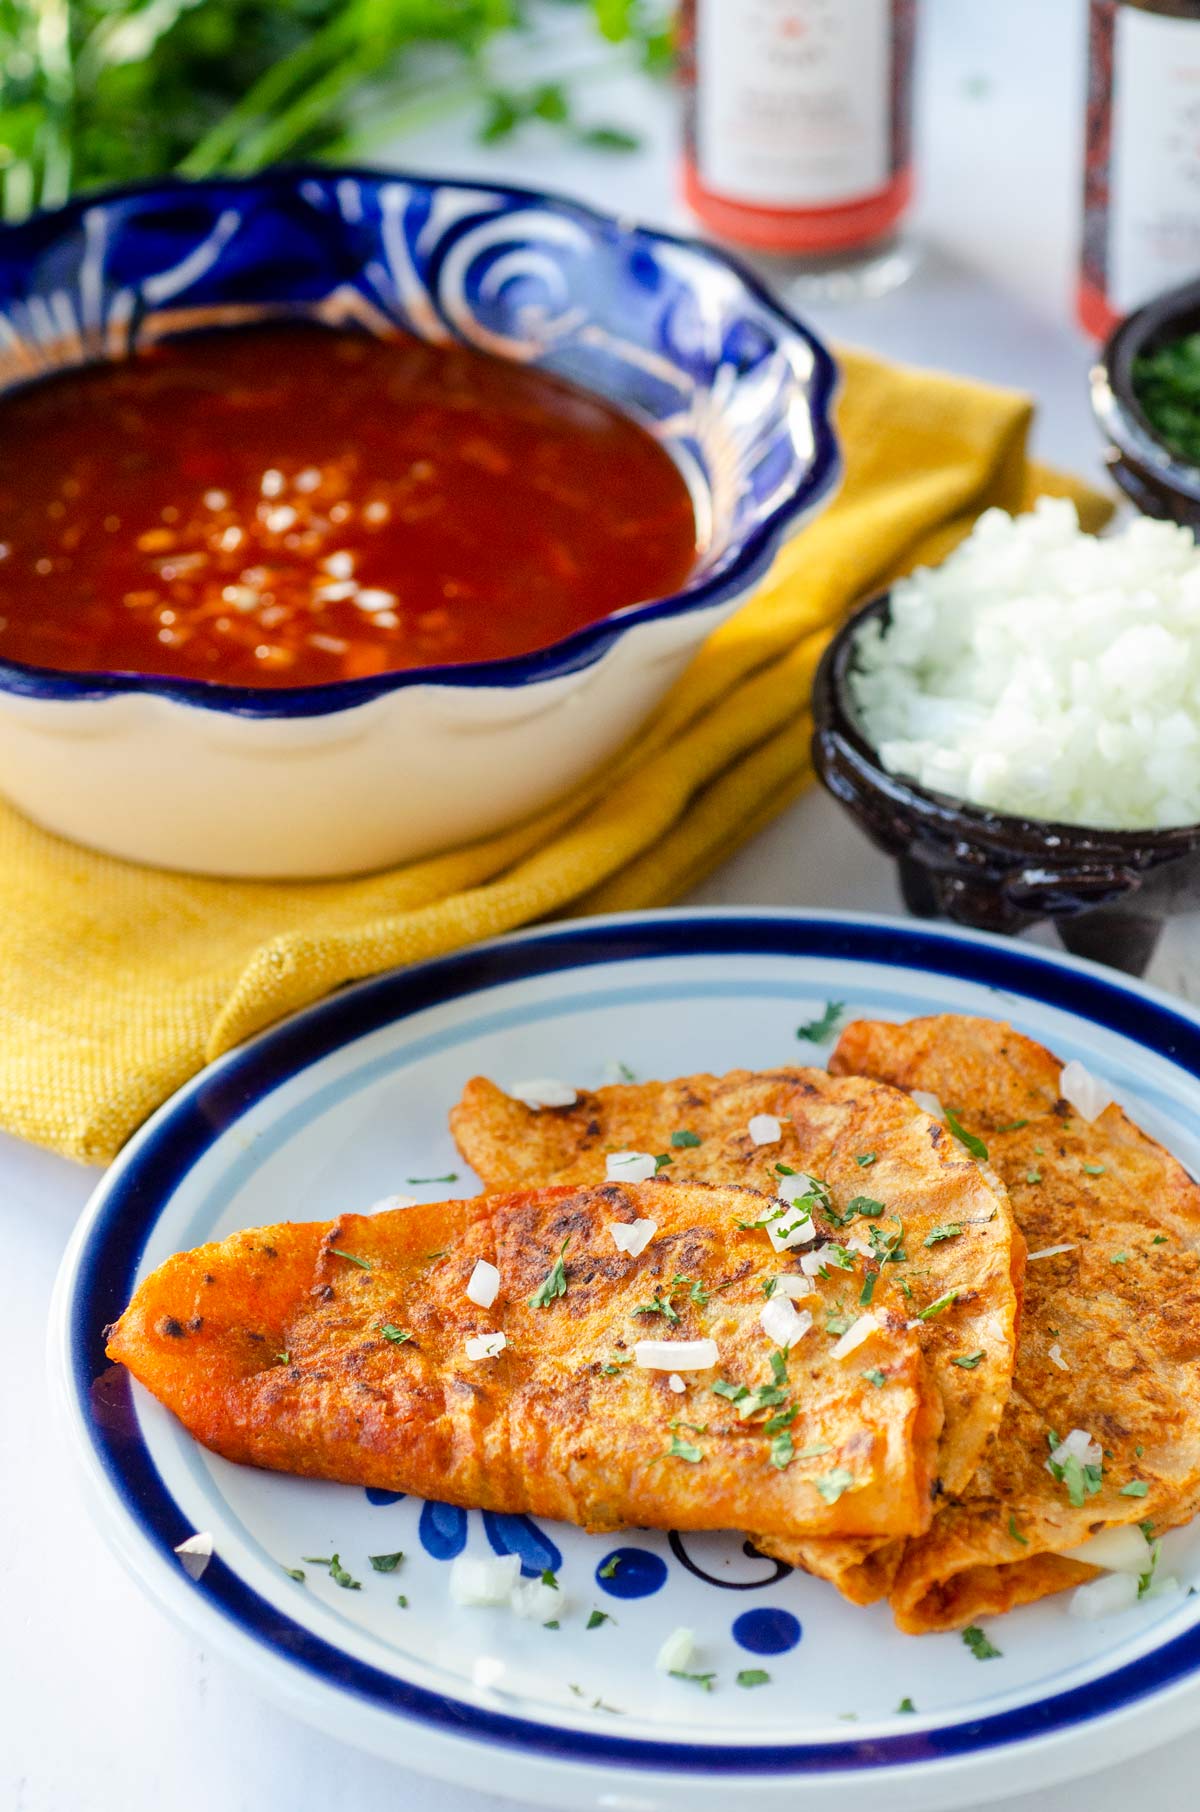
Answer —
289 505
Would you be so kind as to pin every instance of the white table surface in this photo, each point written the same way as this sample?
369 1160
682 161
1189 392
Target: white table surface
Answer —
103 1704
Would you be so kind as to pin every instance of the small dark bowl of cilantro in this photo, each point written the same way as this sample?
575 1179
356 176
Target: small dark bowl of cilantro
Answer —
1146 398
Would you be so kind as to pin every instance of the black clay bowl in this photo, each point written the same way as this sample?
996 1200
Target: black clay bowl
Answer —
1108 892
1159 482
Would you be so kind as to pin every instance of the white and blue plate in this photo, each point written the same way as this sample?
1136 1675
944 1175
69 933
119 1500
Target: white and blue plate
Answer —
344 1105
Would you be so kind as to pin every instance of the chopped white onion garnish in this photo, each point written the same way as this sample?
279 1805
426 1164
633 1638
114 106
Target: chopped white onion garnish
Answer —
676 1355
796 1288
487 1671
811 1262
544 1091
1080 1446
1056 1357
1105 1596
795 1226
476 1579
387 1203
854 1336
195 1553
484 1286
928 1104
783 1323
1048 1252
536 1601
676 1384
486 1346
676 1652
1085 1094
629 1167
765 1129
632 1236
1123 1550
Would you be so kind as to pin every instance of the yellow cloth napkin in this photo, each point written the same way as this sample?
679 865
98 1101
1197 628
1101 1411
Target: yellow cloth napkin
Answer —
118 982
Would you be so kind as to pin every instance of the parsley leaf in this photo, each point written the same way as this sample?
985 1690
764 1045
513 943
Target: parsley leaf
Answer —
683 1450
451 1176
783 1450
391 1332
386 1563
614 1366
906 1705
1015 1532
948 1230
662 1160
816 1031
975 1146
609 1569
1033 1176
977 1642
876 1377
734 1392
753 1676
337 1571
769 1285
868 1289
968 1361
1120 1258
1013 1126
1094 1170
596 1619
839 1323
942 1302
832 1485
554 1283
864 1158
364 1264
704 1681
1135 1488
684 1140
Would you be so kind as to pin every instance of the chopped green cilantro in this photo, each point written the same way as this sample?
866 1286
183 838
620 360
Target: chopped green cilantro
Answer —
839 1323
1120 1258
703 1681
1139 1450
554 1283
783 1450
977 1642
1135 1488
391 1332
876 1377
683 1140
968 1361
1160 1239
1013 1126
865 1158
868 1289
816 1031
284 1358
549 1577
942 1302
1033 1176
609 1569
1146 1579
683 1450
597 1618
1015 1532
948 1230
662 1160
386 1563
906 1705
1094 1170
735 1393
296 1573
974 1145
754 1676
1081 1481
451 1176
337 1571
866 1205
364 1264
615 1365
769 1285
553 1624
402 1601
832 1485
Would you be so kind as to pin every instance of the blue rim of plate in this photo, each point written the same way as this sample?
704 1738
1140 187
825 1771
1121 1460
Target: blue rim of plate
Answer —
573 653
207 1107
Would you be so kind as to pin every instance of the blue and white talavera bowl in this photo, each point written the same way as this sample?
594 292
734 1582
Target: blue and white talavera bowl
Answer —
351 776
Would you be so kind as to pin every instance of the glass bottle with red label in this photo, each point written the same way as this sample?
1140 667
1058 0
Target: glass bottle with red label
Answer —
798 128
1141 220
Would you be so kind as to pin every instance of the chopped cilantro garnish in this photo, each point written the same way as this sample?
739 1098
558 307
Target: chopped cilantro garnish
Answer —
683 1140
553 1624
1094 1170
1120 1258
887 1247
905 1286
783 1418
942 1302
968 1361
1081 1481
402 1601
596 1619
624 1072
866 1205
1146 1579
839 1323
696 1292
816 1031
1135 1488
386 1563
783 1450
769 1285
974 1145
549 1577
1139 1450
779 1367
704 1681
683 1450
734 1392
906 1705
948 1230
284 1358
609 1569
337 1571
451 1176
391 1332
1015 1532
296 1573
554 1283
753 1676
842 1256
1033 1176
876 1377
662 1160
868 1289
614 1366
977 1642
364 1264
833 1484
866 1158
1013 1126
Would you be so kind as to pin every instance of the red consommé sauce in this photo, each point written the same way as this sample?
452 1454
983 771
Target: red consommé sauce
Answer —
290 505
